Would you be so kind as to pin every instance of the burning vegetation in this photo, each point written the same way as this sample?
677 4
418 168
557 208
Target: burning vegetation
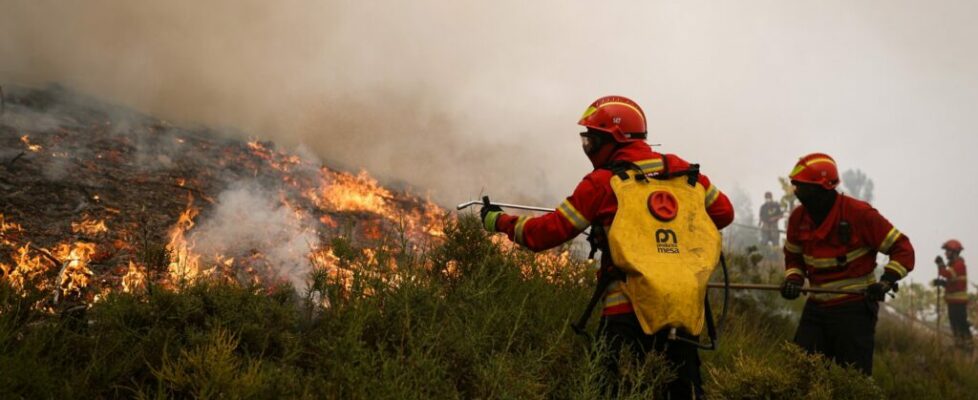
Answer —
98 199
138 258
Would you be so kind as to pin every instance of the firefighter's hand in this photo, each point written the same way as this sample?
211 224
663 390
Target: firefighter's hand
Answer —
790 289
939 282
878 290
490 213
939 261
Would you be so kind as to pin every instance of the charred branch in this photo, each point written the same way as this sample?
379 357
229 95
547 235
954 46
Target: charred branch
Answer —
10 164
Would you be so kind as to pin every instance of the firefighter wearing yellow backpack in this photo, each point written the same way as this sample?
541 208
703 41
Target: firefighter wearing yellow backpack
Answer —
661 218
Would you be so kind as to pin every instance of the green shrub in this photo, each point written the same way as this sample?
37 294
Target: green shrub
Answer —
464 319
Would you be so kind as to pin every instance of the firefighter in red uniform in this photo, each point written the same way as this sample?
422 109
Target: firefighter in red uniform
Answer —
832 241
954 279
616 132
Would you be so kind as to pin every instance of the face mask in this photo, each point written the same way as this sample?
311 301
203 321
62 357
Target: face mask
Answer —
813 197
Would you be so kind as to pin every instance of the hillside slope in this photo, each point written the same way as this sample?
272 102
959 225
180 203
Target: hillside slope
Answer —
150 261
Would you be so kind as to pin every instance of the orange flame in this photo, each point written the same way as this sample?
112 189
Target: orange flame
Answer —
184 264
27 269
346 192
89 227
75 274
312 193
134 280
32 147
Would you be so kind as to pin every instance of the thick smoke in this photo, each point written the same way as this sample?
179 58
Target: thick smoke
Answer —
460 97
248 219
385 88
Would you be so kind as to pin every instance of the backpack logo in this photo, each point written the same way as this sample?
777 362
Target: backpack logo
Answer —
666 241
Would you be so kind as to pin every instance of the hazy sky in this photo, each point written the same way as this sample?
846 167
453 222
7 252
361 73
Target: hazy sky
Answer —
462 97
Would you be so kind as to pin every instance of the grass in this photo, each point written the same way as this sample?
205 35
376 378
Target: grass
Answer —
467 319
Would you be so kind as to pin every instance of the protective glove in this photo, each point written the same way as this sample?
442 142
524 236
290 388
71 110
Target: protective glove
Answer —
489 213
939 261
878 290
939 282
791 289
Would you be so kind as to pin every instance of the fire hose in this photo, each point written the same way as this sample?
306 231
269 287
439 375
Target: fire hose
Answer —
712 285
504 205
762 286
579 326
726 285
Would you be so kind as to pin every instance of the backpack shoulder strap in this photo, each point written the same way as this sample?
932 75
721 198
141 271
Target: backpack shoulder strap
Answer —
692 173
620 169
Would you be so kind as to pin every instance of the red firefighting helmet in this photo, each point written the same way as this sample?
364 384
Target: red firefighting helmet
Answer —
817 168
952 245
618 116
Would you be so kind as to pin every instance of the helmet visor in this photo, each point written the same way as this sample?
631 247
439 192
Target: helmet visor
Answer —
589 142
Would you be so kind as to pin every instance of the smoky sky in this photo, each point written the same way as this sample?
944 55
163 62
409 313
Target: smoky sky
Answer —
463 98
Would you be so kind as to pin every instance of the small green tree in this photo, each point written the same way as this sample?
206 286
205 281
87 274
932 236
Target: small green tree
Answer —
788 199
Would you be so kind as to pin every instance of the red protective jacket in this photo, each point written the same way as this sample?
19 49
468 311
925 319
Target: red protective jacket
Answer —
819 254
957 282
594 202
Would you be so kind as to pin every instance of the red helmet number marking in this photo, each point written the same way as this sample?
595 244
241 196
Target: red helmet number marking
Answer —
663 206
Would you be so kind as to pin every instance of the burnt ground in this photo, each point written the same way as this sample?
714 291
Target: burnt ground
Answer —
65 158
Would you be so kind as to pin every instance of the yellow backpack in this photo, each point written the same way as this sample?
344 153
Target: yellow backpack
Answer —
666 245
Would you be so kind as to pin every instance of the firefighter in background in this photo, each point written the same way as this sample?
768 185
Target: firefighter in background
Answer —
616 133
954 279
832 241
770 214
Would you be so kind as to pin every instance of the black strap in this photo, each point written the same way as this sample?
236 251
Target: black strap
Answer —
604 280
692 173
711 328
598 241
621 168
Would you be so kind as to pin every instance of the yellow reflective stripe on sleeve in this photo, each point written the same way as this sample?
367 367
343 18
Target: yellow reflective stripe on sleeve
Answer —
959 278
573 216
792 248
832 262
962 295
712 194
891 238
793 271
896 267
650 166
518 236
